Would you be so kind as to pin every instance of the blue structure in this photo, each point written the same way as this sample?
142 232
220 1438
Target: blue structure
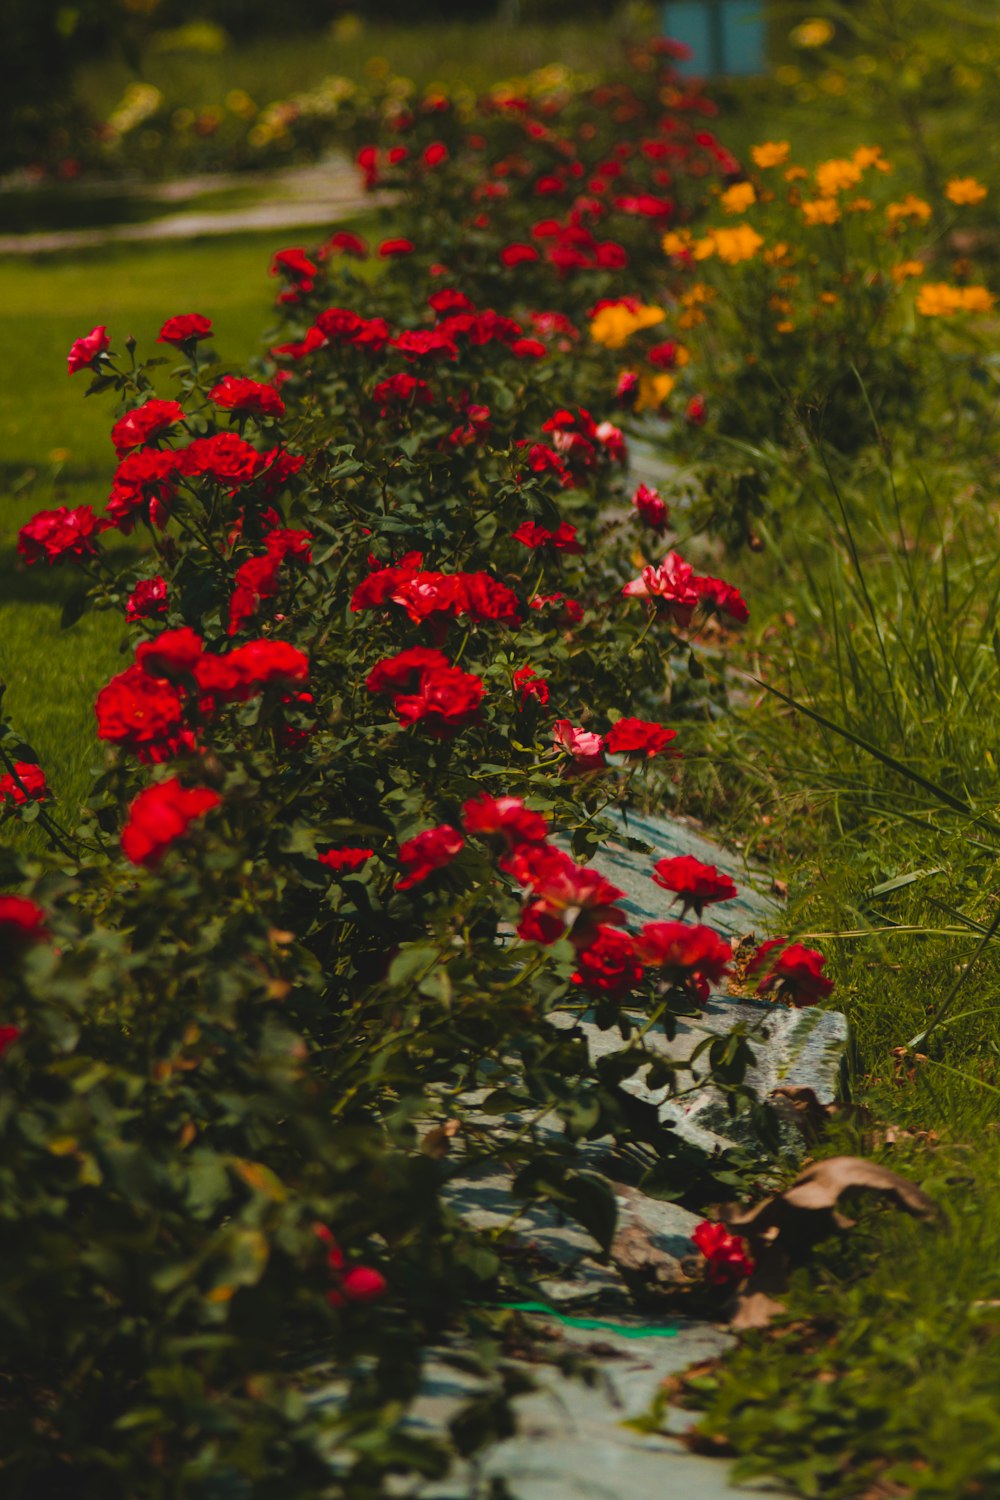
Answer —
725 36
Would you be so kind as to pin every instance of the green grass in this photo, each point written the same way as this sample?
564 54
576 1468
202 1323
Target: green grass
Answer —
55 450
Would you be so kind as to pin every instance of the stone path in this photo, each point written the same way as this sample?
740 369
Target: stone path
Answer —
297 198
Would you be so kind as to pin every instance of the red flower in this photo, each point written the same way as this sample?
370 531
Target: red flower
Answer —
399 390
430 342
565 895
697 885
344 243
528 683
55 534
141 712
143 422
160 815
723 597
587 749
147 600
696 412
651 508
506 816
398 246
225 457
295 265
663 356
563 539
727 1254
434 154
529 349
427 852
143 479
257 578
185 328
26 783
395 674
8 1036
671 585
173 653
449 300
21 923
795 976
570 610
445 700
345 860
690 957
607 965
363 1284
367 160
266 663
639 737
239 394
517 254
84 352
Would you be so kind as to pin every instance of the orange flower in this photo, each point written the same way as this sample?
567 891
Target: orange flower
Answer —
906 269
835 175
770 153
738 198
821 211
911 207
964 190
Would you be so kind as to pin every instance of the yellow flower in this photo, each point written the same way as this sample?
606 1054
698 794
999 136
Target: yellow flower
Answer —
736 244
911 207
906 269
936 299
821 211
795 174
697 292
691 318
831 176
770 153
653 391
976 299
869 156
859 206
738 198
815 32
702 249
778 254
677 242
614 325
964 190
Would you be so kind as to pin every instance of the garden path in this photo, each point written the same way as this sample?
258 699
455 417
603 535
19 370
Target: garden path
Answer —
294 198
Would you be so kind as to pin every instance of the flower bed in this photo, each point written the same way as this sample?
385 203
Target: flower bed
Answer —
396 630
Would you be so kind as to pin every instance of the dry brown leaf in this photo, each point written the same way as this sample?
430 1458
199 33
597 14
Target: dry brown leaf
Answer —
782 1229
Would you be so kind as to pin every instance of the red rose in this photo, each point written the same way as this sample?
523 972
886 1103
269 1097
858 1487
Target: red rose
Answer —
565 895
295 265
263 663
143 479
26 783
427 852
529 349
363 1284
253 397
570 610
691 957
345 860
505 816
528 683
398 246
86 351
449 300
430 342
225 457
697 885
671 586
400 390
607 965
696 412
721 597
142 713
21 923
434 154
487 599
143 422
638 737
172 654
160 815
446 700
147 600
517 254
727 1254
344 243
663 356
8 1036
563 539
651 508
55 534
795 976
395 674
185 328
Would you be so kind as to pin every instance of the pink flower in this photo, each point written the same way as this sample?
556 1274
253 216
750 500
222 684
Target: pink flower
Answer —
649 506
671 586
85 352
587 749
